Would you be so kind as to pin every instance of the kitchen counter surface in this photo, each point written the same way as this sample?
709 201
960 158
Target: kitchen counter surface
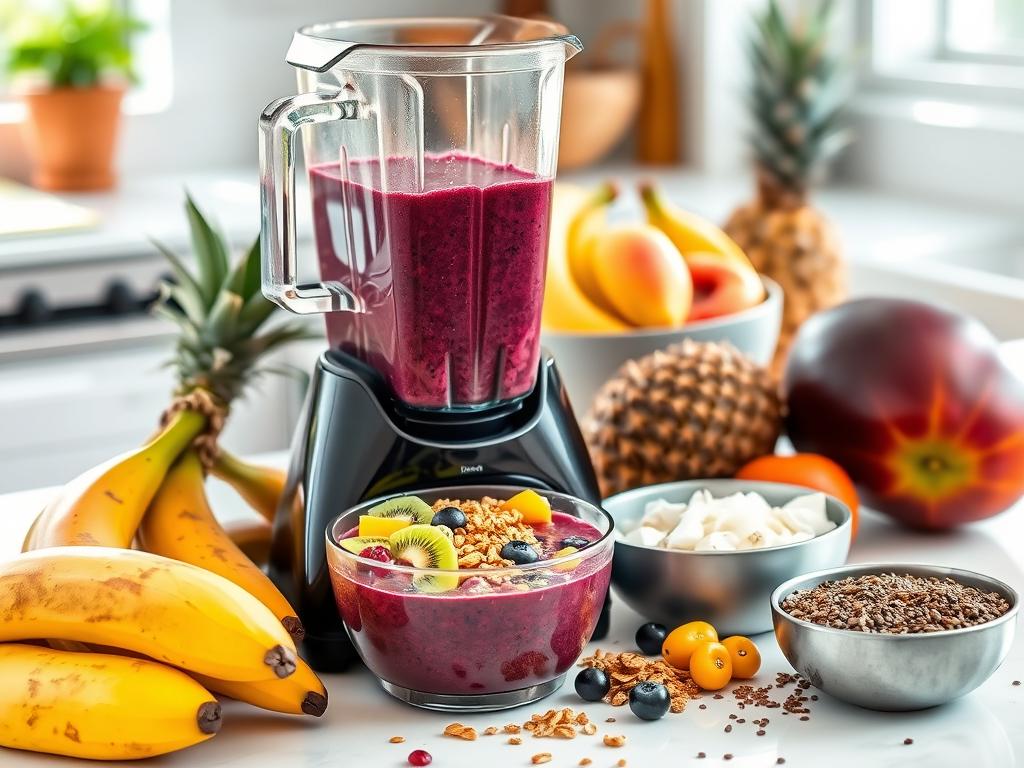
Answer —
981 730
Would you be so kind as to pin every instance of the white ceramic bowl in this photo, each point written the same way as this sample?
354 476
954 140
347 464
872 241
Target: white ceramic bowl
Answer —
588 360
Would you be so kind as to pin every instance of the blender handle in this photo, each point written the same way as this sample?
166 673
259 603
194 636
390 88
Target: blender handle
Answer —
279 125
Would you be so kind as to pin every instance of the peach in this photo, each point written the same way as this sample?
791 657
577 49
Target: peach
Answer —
720 286
641 274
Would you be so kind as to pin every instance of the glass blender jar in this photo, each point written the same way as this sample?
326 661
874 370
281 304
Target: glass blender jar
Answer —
431 147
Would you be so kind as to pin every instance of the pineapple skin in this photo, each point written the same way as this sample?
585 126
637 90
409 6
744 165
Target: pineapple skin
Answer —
692 410
797 247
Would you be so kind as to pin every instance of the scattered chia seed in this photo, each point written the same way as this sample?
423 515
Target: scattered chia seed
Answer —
780 761
908 741
728 729
761 732
727 756
804 717
701 755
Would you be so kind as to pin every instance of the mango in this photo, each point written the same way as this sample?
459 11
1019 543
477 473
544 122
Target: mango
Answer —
535 509
643 276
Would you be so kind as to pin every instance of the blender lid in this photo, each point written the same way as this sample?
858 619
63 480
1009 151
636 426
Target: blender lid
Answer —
380 44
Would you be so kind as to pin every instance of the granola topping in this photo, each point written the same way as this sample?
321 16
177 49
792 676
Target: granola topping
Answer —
489 527
626 669
460 731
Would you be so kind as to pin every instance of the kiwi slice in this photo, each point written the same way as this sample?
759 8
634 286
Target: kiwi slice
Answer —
424 546
412 508
357 544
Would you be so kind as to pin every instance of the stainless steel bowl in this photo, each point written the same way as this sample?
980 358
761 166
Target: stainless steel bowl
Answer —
729 589
895 673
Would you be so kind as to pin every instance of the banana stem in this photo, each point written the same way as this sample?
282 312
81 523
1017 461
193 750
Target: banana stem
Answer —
260 486
183 427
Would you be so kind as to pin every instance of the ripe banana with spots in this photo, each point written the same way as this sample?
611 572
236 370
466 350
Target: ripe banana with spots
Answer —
260 486
180 524
104 505
99 706
170 611
300 694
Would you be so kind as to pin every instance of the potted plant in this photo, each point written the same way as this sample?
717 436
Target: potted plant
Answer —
72 65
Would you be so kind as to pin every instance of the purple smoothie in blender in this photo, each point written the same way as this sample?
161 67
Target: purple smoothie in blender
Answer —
451 275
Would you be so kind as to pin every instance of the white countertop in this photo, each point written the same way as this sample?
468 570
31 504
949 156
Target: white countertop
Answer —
982 730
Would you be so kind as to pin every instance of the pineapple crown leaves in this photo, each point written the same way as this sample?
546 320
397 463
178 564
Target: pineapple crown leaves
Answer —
220 314
796 95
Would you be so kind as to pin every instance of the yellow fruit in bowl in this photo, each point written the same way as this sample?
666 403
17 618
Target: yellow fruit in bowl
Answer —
535 509
576 214
381 527
641 275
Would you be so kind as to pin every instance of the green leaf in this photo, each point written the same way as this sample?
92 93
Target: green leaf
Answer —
245 277
257 310
210 252
222 325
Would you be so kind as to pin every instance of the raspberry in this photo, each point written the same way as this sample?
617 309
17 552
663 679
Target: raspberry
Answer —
378 553
420 757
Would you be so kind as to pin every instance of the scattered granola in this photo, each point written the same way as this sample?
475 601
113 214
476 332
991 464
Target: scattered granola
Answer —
396 740
621 763
512 728
460 731
586 761
489 527
559 724
490 731
614 741
514 740
541 757
626 669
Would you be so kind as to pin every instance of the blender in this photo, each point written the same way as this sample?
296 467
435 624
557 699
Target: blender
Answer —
430 146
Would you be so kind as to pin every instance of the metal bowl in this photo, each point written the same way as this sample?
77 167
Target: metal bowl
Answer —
895 673
729 589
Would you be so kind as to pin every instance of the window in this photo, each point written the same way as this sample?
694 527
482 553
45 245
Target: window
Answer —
152 50
922 44
982 30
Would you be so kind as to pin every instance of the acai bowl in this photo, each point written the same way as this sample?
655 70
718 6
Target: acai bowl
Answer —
483 631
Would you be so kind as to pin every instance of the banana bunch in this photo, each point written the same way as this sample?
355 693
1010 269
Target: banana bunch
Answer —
113 652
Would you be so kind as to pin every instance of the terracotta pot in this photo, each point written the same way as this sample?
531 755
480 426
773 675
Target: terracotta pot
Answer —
71 135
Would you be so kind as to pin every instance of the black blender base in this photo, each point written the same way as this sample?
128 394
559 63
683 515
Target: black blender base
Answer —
354 442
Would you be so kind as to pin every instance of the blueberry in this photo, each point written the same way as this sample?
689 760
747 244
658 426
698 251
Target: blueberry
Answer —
592 684
575 541
519 552
650 637
649 701
449 517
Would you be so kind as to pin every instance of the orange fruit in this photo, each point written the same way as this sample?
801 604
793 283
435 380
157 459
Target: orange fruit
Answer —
746 659
810 470
711 666
535 509
682 641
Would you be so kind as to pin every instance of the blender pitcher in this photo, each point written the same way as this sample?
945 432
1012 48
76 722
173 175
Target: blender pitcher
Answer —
431 147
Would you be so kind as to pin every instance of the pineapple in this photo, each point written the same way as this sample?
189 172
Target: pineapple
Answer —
796 96
693 410
219 311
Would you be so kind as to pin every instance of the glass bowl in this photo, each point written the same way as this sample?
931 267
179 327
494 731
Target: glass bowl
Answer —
501 638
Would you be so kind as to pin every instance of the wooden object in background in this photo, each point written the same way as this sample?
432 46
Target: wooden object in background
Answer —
658 127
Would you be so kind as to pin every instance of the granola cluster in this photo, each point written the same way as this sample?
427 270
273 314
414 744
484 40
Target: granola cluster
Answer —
489 527
560 724
625 670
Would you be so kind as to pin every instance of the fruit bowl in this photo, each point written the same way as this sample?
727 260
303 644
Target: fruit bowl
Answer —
587 360
474 644
731 590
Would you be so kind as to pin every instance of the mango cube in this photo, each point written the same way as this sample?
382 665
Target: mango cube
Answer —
568 565
535 509
381 527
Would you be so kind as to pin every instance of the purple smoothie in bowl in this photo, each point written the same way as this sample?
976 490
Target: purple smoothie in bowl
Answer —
479 639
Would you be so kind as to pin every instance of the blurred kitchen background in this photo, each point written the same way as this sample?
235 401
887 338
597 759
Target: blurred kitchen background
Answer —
928 197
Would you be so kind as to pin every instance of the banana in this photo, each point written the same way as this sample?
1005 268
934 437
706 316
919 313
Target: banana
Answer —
99 706
169 611
104 505
584 230
692 234
180 524
300 694
252 537
566 308
261 487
